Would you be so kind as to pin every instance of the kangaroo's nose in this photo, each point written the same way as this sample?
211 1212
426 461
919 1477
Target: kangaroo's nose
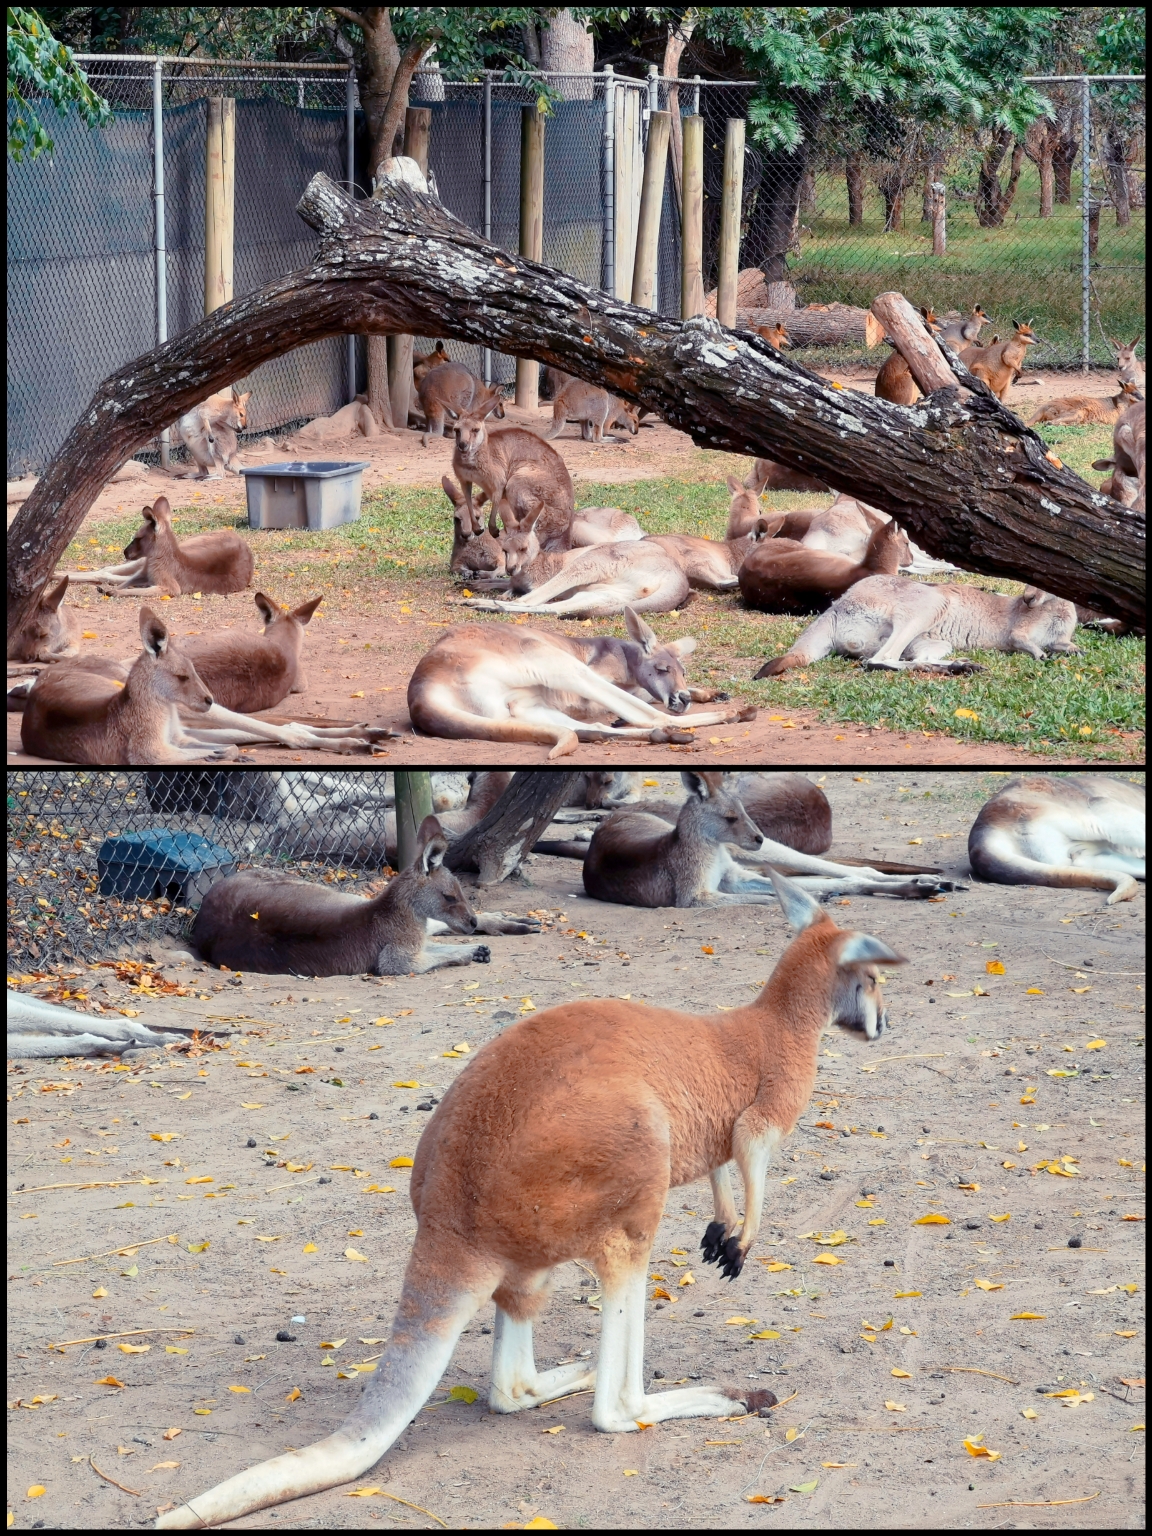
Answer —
679 702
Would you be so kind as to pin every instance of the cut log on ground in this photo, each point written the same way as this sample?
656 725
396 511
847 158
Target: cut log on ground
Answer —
966 478
819 325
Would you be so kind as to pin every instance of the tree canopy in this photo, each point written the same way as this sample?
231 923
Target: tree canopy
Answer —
40 68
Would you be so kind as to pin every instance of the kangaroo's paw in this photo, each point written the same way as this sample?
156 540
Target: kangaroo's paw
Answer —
713 1243
481 955
733 1261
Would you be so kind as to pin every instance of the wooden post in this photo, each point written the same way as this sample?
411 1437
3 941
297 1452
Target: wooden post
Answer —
919 350
651 206
531 232
219 201
692 220
730 201
939 227
413 803
417 125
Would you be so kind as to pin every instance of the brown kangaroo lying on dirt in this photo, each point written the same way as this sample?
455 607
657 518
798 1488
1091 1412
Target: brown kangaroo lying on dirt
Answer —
560 1141
1076 410
803 580
50 631
157 564
268 920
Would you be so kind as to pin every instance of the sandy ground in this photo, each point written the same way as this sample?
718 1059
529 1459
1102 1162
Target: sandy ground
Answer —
334 681
968 1087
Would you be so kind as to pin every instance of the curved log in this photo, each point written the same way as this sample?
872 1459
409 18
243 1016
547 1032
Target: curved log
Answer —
966 478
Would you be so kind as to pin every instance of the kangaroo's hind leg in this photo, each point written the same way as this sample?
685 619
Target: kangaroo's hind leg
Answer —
516 1383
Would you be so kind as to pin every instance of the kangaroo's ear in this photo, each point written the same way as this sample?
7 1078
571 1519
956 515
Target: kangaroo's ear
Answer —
799 908
862 948
736 486
431 845
640 631
1103 463
1138 340
161 508
453 492
696 784
153 633
760 529
682 647
266 607
54 598
305 611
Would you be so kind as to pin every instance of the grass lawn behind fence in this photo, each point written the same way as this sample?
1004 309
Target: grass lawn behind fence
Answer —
394 561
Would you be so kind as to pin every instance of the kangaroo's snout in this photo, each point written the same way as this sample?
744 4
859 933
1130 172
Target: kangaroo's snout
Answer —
679 702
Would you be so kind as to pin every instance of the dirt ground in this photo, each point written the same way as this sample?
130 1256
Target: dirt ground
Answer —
796 737
987 1085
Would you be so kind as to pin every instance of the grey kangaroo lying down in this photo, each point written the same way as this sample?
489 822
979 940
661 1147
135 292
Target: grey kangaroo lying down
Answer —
265 920
37 1029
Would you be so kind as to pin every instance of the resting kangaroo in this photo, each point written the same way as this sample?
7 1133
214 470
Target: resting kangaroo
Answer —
714 563
1084 831
807 580
1076 410
890 621
268 920
157 564
639 860
894 381
50 631
560 1140
475 552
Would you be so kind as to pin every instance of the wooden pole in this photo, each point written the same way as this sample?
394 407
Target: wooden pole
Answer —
219 201
939 223
531 232
651 207
417 127
413 803
692 220
730 201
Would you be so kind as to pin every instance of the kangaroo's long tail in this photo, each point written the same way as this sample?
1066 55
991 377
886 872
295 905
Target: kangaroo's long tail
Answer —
443 1289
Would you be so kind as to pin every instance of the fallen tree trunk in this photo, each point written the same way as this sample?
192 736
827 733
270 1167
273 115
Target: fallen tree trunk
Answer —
819 325
967 479
497 845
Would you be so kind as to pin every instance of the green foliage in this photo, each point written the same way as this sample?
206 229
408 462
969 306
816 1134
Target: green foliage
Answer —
40 67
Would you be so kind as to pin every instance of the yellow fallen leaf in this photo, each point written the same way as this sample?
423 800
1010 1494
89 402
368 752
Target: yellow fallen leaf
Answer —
463 1394
357 1258
839 1465
362 1493
912 841
774 1266
965 714
988 1285
293 1395
768 1333
896 1371
1060 1072
279 1238
251 1106
98 1292
659 1294
36 1490
309 1248
974 1449
202 1178
1034 991
738 1321
827 1258
538 1523
163 1135
1096 1045
896 1407
1079 989
378 1189
687 1279
170 1434
874 1328
877 1221
108 1381
933 1219
1119 1334
1135 1428
1029 1413
903 1295
865 1205
994 967
333 1344
1123 1162
400 1162
239 1389
968 1186
164 1465
556 1429
1027 1317
359 694
174 1349
1130 1288
911 1331
1007 1216
134 1349
199 1247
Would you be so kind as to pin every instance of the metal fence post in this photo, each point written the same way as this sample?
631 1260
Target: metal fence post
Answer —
1086 200
608 268
350 138
486 173
158 236
695 96
653 101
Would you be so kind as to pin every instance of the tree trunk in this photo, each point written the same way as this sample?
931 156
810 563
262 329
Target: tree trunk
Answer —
967 479
818 325
381 57
854 176
413 803
771 231
892 186
677 41
932 175
993 199
1040 145
1115 157
566 48
1063 159
496 846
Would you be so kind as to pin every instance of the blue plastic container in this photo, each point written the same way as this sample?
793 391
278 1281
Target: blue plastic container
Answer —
179 865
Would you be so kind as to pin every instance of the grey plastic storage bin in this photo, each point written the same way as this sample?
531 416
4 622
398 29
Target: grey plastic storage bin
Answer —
320 494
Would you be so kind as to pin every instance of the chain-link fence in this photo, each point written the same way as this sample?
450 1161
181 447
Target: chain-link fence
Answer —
844 216
101 861
83 247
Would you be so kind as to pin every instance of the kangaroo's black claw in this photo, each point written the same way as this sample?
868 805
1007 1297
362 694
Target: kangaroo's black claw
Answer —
733 1259
713 1243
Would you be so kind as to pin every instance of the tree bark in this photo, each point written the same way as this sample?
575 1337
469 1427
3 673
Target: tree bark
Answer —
496 846
1040 145
966 478
993 199
413 803
567 48
892 186
854 177
381 57
1063 159
1115 157
677 40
